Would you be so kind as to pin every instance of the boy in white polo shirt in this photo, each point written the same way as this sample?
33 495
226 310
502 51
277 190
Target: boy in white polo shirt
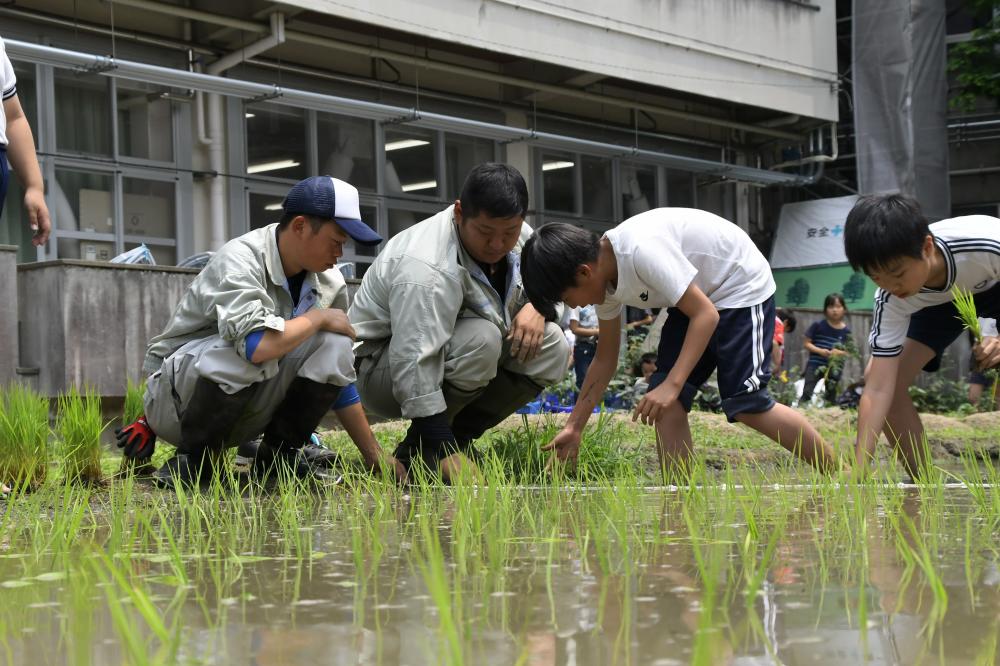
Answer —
915 266
720 294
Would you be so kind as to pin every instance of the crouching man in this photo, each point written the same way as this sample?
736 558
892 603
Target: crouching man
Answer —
260 343
449 339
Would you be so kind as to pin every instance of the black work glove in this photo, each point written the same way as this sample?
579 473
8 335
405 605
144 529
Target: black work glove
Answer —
136 439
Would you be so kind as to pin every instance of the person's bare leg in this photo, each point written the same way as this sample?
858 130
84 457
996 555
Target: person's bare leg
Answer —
975 393
903 428
673 440
790 428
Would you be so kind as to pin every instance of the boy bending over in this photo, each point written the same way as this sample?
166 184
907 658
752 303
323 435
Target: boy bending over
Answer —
915 265
720 294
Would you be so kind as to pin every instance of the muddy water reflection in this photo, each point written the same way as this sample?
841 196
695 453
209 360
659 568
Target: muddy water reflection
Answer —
800 578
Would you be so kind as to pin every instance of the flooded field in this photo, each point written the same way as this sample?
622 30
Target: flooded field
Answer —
733 569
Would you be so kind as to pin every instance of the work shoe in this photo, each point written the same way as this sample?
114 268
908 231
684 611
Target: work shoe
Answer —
183 469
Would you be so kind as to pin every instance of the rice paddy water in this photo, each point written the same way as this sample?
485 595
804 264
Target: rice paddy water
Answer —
599 566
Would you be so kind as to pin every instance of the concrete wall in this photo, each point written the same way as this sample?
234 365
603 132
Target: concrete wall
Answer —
771 53
8 317
88 323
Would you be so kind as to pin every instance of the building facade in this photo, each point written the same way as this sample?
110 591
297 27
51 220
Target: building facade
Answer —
181 124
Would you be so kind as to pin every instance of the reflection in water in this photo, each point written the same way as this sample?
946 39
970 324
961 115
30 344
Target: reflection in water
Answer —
827 576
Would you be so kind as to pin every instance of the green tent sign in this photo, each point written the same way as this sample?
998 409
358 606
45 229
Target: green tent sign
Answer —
807 287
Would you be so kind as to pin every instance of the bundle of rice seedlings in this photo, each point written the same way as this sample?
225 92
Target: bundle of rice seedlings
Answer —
133 407
80 426
966 306
24 435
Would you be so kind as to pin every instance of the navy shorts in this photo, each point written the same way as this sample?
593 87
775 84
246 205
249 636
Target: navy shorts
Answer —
939 326
741 350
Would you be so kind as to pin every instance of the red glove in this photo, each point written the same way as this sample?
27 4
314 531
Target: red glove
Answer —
137 439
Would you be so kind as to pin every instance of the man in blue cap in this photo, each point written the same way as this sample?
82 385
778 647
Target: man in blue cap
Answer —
260 344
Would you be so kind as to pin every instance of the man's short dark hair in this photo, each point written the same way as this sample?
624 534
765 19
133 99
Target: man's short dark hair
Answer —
882 228
314 222
498 190
549 261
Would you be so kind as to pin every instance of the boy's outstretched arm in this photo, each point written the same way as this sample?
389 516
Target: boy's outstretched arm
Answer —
876 400
566 445
703 319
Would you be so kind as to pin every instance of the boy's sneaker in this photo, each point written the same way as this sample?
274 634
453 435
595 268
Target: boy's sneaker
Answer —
312 454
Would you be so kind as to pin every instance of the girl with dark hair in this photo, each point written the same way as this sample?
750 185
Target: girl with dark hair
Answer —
825 339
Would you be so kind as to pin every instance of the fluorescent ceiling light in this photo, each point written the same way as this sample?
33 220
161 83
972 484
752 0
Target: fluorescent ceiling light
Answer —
271 166
273 206
423 185
405 143
552 166
249 115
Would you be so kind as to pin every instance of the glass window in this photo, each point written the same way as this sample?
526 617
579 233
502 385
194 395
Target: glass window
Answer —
83 113
82 201
409 162
148 209
638 189
145 122
265 209
404 218
346 148
596 187
680 189
14 223
276 141
558 177
462 153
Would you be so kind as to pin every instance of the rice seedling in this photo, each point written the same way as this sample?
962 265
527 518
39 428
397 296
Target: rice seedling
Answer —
24 434
965 304
80 425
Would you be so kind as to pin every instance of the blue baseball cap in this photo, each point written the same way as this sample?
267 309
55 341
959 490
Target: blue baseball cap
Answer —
329 198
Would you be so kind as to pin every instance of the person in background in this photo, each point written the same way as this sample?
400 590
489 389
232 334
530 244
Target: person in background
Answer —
784 323
583 324
643 370
826 339
17 144
637 321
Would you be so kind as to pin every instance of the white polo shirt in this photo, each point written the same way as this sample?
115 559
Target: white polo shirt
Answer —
8 85
971 249
663 251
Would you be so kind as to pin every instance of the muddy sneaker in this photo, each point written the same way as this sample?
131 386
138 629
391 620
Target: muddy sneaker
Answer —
181 469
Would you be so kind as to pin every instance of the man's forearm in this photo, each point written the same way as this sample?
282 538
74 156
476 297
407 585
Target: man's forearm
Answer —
276 344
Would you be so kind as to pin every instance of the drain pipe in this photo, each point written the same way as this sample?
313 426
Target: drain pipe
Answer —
213 137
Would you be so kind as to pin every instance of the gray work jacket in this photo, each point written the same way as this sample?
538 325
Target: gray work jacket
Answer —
410 299
243 289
